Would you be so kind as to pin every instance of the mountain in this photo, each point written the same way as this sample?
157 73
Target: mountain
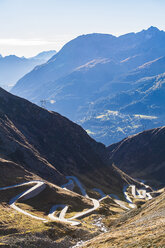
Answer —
39 149
106 66
72 91
45 55
142 155
53 176
16 145
12 68
124 50
51 146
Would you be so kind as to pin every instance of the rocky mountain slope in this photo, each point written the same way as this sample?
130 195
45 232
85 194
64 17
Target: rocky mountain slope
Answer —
12 68
142 155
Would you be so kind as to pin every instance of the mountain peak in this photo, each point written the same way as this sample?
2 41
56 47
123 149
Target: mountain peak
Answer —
153 29
150 32
45 55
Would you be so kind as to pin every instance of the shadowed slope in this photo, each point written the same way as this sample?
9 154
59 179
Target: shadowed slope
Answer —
142 155
53 147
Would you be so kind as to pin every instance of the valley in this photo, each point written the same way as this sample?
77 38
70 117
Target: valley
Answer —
27 197
82 136
64 187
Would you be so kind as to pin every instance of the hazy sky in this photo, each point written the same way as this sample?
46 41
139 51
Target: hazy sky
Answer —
30 26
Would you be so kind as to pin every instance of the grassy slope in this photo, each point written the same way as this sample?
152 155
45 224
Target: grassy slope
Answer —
143 227
9 168
17 230
16 227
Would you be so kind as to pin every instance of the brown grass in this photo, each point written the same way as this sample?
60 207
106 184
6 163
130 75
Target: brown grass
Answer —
143 227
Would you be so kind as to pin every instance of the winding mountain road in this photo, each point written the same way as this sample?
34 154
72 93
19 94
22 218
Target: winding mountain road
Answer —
61 217
39 186
76 180
128 199
27 194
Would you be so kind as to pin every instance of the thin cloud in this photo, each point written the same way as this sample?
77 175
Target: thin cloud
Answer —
23 42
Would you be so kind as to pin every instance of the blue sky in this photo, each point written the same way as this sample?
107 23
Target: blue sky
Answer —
30 26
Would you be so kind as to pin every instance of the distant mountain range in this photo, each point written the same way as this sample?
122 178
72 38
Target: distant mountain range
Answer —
12 68
112 86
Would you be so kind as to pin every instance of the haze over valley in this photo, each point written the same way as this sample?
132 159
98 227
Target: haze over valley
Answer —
12 68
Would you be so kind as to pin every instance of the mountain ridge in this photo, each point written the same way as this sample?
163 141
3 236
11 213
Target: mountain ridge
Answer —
92 45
